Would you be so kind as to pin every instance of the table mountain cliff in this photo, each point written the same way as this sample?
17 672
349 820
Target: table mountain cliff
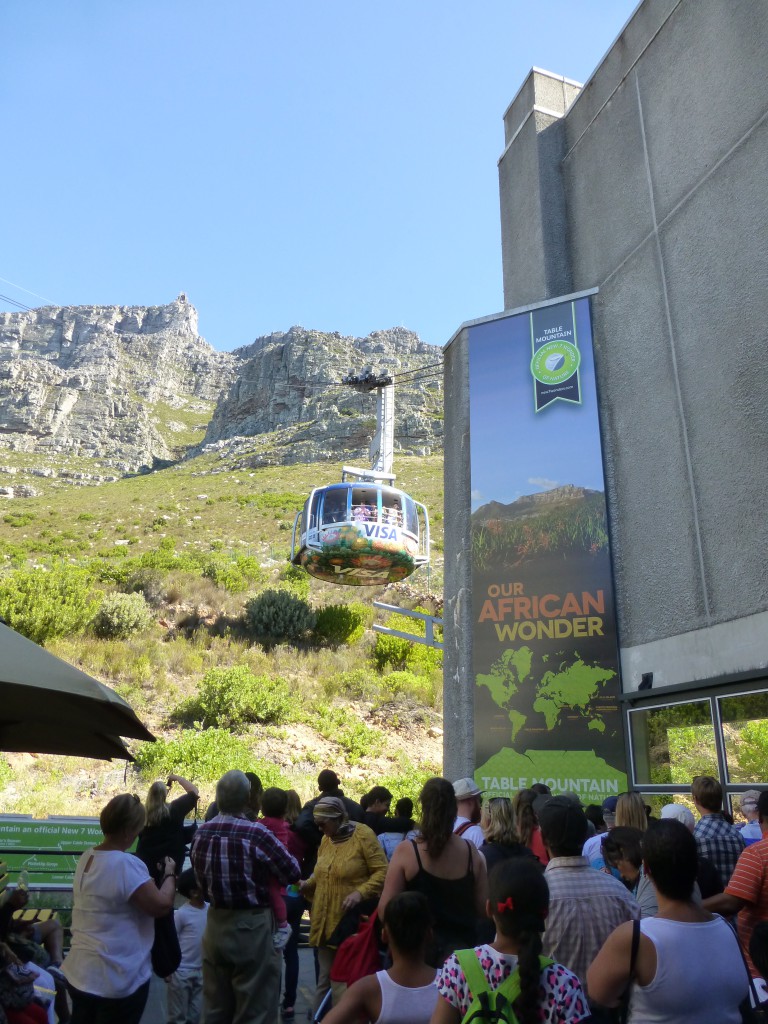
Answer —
132 388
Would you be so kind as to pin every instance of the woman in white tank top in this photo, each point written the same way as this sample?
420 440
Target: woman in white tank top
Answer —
406 993
688 966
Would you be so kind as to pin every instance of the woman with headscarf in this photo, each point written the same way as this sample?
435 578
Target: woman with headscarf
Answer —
350 867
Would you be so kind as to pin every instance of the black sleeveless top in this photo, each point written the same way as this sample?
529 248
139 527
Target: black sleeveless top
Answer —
452 905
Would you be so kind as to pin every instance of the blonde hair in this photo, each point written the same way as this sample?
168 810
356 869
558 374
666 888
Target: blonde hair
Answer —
123 813
156 807
293 807
498 821
630 812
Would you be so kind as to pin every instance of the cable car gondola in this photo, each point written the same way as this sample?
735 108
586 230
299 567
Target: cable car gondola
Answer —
363 531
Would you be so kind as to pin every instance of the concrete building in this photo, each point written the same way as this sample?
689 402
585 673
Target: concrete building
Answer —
650 184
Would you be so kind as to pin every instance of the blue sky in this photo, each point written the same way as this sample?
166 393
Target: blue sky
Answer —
514 449
330 164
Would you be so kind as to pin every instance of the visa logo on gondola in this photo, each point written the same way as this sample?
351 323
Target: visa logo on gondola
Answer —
382 532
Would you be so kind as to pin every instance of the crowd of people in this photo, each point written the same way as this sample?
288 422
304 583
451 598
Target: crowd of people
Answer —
531 906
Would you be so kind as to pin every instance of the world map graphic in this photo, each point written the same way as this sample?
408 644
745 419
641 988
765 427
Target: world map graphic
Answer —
571 688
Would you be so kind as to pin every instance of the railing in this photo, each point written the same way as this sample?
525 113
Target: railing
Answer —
431 621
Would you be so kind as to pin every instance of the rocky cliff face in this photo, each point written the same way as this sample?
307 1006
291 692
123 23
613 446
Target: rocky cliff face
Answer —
106 381
135 387
289 383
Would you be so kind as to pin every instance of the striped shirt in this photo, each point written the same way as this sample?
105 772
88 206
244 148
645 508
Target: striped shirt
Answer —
719 842
749 882
584 908
234 860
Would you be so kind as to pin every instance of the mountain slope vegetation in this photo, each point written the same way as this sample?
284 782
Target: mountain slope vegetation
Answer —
160 574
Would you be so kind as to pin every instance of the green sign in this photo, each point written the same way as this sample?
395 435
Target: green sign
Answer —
65 836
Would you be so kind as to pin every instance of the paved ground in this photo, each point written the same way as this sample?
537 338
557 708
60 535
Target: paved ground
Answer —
155 1012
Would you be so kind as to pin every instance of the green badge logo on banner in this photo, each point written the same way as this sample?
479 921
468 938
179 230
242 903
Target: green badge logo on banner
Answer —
556 357
555 362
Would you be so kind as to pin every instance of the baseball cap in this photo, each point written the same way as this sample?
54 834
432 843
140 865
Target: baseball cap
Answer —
609 805
543 799
748 801
679 812
465 788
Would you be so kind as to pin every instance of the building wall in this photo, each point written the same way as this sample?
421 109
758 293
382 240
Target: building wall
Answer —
652 188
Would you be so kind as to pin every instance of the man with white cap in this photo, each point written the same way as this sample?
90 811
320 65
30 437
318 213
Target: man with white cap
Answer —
681 813
469 801
748 806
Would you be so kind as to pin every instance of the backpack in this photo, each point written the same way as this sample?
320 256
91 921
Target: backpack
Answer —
490 1006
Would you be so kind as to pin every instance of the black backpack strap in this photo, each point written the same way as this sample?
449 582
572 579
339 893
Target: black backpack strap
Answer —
635 947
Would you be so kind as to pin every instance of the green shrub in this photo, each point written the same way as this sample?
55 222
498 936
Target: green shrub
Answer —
149 583
394 652
404 683
408 780
47 603
341 623
229 698
359 741
277 615
203 756
353 685
295 579
121 615
19 519
233 574
355 738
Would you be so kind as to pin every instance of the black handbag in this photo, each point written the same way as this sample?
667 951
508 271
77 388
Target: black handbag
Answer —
751 1009
166 951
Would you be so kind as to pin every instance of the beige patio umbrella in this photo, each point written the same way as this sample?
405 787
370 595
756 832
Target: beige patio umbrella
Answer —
49 707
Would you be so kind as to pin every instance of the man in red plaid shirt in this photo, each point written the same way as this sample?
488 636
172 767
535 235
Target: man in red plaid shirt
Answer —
234 860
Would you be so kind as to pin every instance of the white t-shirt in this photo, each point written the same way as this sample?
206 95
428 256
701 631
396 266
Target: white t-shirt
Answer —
474 833
190 925
593 851
111 938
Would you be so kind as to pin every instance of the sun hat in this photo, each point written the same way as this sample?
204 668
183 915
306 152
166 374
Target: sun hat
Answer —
463 789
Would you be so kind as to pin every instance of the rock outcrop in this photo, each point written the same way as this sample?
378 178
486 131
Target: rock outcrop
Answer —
106 381
289 388
132 388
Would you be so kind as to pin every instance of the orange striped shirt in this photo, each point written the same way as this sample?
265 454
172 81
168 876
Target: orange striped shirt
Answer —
749 882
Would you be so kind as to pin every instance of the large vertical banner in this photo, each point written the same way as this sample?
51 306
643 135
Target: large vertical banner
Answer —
545 655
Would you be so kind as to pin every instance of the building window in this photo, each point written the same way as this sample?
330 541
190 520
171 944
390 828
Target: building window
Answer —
723 733
672 743
744 720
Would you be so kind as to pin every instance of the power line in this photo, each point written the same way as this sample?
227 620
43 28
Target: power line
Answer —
13 302
28 291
